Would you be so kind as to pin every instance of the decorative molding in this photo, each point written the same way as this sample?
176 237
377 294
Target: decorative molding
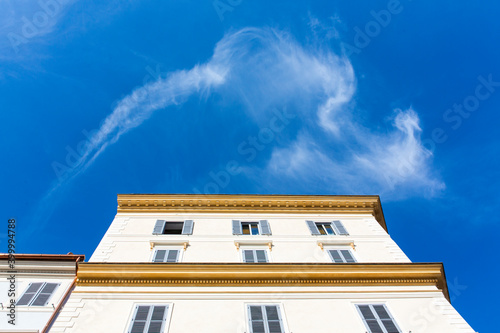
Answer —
183 243
220 203
269 244
339 242
270 274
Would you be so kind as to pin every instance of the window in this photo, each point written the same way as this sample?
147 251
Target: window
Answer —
166 255
255 256
38 294
149 319
377 318
265 319
163 227
251 228
339 256
327 228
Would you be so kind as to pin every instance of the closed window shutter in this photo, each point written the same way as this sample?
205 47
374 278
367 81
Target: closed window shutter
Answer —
386 319
187 229
248 256
140 319
348 257
273 319
237 227
336 257
157 319
43 297
172 255
339 228
377 319
260 255
256 318
30 293
312 227
160 256
369 318
264 227
159 227
265 319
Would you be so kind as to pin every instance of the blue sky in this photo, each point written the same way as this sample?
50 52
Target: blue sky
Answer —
392 98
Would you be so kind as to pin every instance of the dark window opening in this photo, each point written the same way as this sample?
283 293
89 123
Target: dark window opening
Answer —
173 228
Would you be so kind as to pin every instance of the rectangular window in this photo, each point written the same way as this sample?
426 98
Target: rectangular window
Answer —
339 256
251 227
326 228
255 256
265 319
149 319
377 318
163 227
38 294
166 255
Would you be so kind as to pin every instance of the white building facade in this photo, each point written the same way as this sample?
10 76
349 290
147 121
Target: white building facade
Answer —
255 264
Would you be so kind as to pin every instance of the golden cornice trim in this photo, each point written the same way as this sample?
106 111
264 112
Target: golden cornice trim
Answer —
185 274
243 203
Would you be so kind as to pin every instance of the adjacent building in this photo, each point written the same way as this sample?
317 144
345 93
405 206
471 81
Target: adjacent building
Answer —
38 285
254 264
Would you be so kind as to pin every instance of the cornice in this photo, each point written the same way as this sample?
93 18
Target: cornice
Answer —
243 203
272 274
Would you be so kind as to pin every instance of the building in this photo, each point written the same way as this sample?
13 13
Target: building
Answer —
38 285
255 264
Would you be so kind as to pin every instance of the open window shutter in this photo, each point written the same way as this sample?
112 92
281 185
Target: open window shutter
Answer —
43 297
347 256
339 228
260 256
160 256
157 319
248 256
264 227
159 227
187 229
32 290
273 319
256 319
369 319
172 255
386 319
140 319
237 227
312 227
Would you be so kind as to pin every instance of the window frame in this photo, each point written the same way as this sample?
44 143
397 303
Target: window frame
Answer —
338 248
281 314
166 222
254 248
334 231
379 321
250 229
333 227
37 294
161 247
167 316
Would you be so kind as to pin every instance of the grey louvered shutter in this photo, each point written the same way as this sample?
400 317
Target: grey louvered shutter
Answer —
260 256
273 319
369 319
347 256
312 227
157 320
160 256
187 229
237 227
172 255
159 227
140 319
264 227
385 318
256 319
30 293
248 256
43 297
339 228
336 257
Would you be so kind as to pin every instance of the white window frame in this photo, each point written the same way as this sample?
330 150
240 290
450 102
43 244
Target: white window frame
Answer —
135 307
253 248
156 248
281 313
44 283
335 231
371 304
327 249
